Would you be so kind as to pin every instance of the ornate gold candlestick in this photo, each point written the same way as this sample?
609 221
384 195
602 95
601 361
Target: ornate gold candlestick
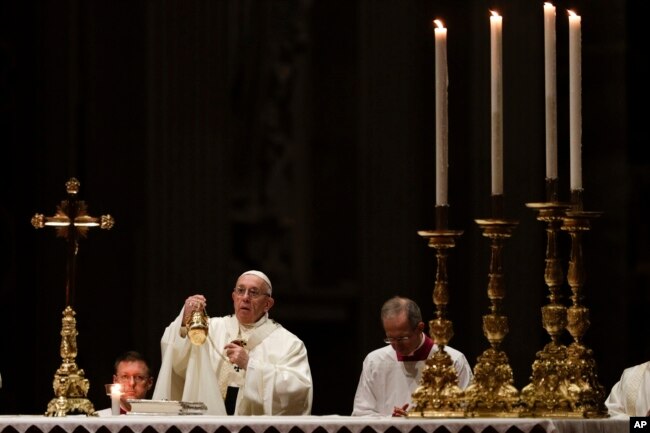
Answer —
70 385
548 392
72 223
438 395
491 393
587 394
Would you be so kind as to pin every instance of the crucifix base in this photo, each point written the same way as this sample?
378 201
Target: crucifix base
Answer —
62 406
70 385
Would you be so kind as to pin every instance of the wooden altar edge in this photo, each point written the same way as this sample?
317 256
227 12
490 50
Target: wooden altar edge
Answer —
302 424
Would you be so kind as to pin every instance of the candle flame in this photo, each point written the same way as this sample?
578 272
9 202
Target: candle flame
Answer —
439 24
494 13
116 388
548 4
571 13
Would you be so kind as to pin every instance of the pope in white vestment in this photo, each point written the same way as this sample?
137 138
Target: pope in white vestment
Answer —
391 374
247 351
631 394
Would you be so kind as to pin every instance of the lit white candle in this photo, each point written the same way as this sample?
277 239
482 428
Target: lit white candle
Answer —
575 102
116 394
497 103
550 80
442 119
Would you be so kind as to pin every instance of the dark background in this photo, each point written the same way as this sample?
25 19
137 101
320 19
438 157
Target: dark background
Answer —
297 137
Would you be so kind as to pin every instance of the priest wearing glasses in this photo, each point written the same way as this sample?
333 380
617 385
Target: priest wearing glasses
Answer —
132 374
246 363
391 373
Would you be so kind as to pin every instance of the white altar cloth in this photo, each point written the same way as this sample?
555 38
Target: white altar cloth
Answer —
306 424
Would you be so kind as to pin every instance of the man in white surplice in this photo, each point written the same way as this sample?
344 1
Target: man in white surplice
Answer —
391 374
247 352
631 394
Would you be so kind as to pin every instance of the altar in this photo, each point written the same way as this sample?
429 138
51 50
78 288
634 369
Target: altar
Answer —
302 424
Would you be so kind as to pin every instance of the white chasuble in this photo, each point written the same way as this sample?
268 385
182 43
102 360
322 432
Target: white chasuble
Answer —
277 380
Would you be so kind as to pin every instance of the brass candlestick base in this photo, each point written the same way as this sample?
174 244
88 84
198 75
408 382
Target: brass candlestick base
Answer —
548 392
70 386
438 395
587 393
491 393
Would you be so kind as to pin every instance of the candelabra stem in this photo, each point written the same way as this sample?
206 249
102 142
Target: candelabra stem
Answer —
587 393
548 392
438 395
491 393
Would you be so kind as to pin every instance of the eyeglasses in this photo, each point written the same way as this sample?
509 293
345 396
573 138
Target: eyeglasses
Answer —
389 340
125 378
253 293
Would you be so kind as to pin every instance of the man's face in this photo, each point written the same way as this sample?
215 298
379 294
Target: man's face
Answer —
134 378
403 338
250 308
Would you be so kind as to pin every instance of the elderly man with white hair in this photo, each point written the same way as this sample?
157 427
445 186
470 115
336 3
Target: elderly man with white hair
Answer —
248 364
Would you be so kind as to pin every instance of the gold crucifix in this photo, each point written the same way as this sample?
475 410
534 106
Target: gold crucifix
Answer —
71 222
